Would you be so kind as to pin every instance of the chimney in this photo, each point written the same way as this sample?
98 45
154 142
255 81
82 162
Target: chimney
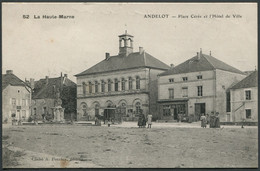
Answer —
9 71
66 75
32 83
209 53
47 79
107 56
141 50
200 54
172 66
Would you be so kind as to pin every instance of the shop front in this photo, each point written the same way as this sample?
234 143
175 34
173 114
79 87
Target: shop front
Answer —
173 109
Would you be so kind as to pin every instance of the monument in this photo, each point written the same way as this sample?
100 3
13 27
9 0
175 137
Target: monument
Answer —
58 111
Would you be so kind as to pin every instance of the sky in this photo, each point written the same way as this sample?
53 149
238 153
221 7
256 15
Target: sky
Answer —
35 48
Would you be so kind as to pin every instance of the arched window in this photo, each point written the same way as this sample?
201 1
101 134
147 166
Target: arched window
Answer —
123 84
84 109
109 85
120 43
137 82
130 83
90 87
116 85
102 86
138 108
123 109
96 109
96 87
84 88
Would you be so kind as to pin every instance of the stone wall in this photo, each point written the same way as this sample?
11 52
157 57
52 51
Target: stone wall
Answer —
224 80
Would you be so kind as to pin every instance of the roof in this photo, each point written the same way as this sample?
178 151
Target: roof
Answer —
11 79
122 62
247 82
42 89
205 63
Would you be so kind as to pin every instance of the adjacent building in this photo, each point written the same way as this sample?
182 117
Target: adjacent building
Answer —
16 98
48 92
244 100
195 87
127 81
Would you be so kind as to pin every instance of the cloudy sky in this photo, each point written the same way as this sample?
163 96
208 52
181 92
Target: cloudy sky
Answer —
35 48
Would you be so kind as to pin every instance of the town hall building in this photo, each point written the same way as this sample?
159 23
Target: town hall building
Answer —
127 81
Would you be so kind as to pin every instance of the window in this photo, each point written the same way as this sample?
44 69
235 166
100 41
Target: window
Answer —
185 78
248 94
138 108
171 93
44 110
116 85
171 80
84 109
248 113
123 84
13 101
137 82
184 91
122 109
90 87
166 110
199 77
200 91
96 87
109 85
130 83
83 87
228 102
102 86
54 88
23 114
96 109
34 111
23 102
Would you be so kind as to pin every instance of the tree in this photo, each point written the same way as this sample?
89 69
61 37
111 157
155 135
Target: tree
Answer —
69 102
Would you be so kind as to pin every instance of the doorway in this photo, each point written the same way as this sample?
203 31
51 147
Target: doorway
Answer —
175 114
200 108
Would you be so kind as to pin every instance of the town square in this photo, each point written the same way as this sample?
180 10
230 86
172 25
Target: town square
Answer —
109 88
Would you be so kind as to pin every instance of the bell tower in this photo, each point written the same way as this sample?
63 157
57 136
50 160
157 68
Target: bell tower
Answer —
125 44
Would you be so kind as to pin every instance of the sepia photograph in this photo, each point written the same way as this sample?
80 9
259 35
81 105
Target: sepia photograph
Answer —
129 85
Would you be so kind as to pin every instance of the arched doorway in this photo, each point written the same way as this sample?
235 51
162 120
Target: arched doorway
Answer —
138 109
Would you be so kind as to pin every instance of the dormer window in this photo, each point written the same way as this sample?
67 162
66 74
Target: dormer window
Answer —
171 80
185 78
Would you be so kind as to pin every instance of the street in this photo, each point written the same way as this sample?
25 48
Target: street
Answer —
165 146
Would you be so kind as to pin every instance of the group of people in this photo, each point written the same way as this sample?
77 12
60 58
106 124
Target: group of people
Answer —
213 120
142 121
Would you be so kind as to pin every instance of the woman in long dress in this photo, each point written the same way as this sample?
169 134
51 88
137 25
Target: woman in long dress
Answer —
203 121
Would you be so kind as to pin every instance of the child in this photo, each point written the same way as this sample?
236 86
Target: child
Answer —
109 123
149 121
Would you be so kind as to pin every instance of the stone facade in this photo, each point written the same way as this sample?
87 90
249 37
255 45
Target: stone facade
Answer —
16 99
90 104
127 81
203 92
